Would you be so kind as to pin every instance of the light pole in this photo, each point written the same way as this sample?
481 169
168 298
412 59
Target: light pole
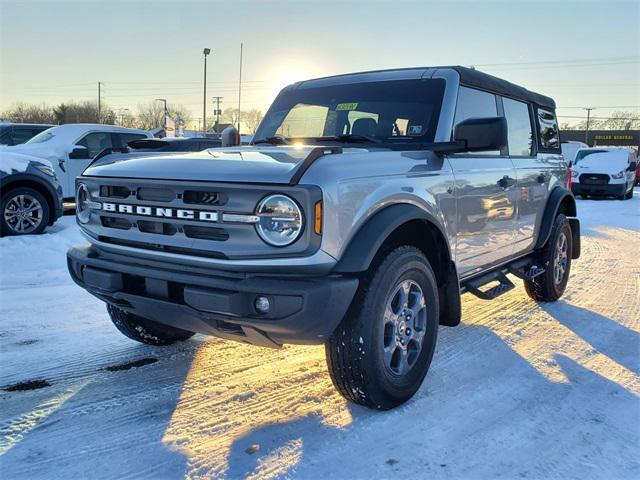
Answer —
164 120
206 52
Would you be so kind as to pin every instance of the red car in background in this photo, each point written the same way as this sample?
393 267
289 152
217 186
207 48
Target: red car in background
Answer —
638 172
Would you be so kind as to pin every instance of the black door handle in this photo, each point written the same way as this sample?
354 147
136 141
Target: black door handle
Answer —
506 182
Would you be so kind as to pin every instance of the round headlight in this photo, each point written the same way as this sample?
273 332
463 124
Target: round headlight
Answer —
280 220
83 197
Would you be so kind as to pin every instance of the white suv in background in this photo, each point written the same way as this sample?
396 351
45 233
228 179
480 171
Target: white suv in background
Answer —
604 171
71 147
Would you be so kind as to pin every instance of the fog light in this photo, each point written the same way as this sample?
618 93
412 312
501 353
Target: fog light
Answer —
262 304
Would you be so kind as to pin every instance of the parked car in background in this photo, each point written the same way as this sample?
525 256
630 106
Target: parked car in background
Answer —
31 196
604 171
569 149
71 147
17 133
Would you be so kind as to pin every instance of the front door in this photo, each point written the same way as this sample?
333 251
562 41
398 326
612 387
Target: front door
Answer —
485 189
95 142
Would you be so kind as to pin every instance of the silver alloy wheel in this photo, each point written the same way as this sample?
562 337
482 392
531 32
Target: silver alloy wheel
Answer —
405 325
560 259
23 213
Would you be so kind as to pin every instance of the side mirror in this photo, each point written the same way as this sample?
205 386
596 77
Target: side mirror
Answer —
481 134
79 152
230 137
633 166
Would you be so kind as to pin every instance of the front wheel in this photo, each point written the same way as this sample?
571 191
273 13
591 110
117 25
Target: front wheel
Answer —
24 211
380 353
556 259
144 330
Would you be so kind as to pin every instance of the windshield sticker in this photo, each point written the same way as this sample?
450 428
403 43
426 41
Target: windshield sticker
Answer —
346 106
415 129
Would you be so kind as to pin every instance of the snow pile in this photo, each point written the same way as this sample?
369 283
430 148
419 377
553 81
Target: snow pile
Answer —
518 390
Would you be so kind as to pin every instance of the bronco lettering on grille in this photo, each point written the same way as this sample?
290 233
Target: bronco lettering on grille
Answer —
181 213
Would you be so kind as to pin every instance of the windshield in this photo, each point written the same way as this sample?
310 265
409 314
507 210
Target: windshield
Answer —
385 112
42 137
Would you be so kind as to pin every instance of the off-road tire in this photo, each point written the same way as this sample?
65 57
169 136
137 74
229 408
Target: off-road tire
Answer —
144 330
544 288
355 351
45 215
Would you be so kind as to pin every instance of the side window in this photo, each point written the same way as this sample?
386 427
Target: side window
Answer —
519 127
96 142
548 130
21 135
125 138
474 103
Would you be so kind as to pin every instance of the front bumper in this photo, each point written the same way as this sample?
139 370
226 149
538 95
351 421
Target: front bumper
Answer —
304 309
614 189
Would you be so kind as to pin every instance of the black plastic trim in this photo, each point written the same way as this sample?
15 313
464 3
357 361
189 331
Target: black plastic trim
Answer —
367 241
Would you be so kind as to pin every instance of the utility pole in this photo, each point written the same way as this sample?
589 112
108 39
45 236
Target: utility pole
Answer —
205 52
586 133
239 89
217 110
99 101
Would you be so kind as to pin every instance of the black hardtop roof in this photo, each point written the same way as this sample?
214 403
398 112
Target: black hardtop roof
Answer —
468 76
476 78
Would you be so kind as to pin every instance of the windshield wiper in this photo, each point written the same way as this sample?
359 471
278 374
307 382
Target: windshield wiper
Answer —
275 140
350 137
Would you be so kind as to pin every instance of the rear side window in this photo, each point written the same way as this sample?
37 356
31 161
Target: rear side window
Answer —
548 131
474 103
519 127
125 138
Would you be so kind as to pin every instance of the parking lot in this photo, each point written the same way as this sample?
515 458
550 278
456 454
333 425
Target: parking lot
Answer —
517 391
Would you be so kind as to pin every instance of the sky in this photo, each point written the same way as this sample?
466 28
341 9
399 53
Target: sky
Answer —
581 53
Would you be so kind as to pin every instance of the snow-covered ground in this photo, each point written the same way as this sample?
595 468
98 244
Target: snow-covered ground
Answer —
518 391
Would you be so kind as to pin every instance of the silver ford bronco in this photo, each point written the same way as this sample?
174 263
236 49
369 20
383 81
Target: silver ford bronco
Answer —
366 205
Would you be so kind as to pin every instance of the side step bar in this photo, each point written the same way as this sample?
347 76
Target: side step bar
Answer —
523 268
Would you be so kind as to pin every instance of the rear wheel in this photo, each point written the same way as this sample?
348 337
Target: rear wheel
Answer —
380 353
144 330
24 211
556 259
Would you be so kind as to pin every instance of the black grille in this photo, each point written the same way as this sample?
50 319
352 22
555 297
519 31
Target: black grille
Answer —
115 222
197 197
114 191
594 179
156 194
206 233
161 228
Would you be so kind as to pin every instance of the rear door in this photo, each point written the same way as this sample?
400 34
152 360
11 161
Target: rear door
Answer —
532 172
485 184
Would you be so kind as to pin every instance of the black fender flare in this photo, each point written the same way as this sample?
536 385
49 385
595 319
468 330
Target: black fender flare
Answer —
557 196
364 245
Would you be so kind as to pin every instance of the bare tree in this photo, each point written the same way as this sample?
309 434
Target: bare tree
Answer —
251 120
230 115
83 112
151 115
25 113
